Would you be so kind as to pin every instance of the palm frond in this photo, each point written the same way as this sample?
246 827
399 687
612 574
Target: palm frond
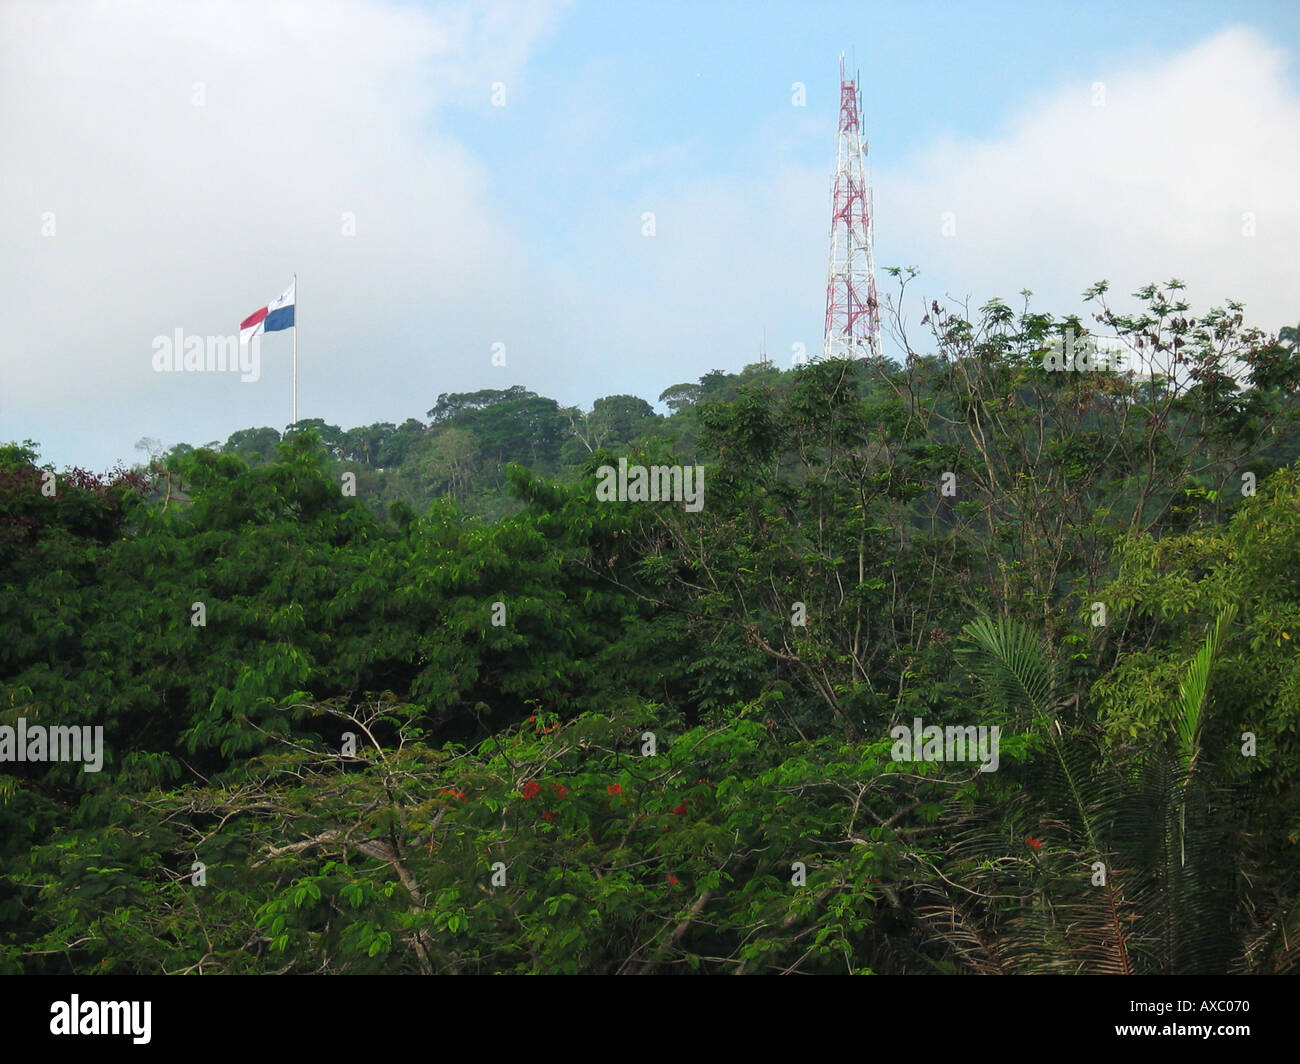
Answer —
1189 710
1014 662
1130 877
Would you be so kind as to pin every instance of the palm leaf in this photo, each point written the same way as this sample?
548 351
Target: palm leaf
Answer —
1189 711
1165 900
1015 663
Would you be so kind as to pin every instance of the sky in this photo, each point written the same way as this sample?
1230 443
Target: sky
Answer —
458 186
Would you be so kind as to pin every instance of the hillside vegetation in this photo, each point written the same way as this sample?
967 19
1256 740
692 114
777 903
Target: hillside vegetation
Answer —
410 698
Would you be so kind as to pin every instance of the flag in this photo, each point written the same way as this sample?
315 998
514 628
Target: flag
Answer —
271 318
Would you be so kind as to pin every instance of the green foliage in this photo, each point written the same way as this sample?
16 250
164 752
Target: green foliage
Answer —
496 641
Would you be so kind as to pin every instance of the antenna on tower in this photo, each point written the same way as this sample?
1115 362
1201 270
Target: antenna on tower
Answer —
852 313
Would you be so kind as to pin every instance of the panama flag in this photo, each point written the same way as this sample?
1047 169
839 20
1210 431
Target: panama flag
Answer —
271 318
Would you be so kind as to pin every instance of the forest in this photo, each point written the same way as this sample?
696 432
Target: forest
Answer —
416 698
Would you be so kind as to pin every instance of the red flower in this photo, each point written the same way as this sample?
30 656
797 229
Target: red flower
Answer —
561 791
547 815
614 788
1035 843
531 789
672 880
531 719
681 809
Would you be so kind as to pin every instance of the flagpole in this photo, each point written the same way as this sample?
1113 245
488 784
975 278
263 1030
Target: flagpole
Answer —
295 349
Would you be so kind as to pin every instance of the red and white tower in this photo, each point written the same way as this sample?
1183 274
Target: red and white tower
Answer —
852 314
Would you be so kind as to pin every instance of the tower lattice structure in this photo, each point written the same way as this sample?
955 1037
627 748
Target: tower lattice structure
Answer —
852 312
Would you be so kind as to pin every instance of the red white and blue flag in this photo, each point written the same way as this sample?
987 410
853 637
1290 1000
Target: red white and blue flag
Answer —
271 318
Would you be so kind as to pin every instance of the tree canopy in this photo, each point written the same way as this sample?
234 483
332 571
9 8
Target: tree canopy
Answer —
414 698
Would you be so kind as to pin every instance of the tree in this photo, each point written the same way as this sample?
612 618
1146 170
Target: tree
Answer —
257 445
330 435
364 445
615 420
679 396
1130 871
512 425
448 461
394 447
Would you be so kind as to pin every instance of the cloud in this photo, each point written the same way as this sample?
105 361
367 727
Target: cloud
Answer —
1160 179
1151 172
169 214
170 165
